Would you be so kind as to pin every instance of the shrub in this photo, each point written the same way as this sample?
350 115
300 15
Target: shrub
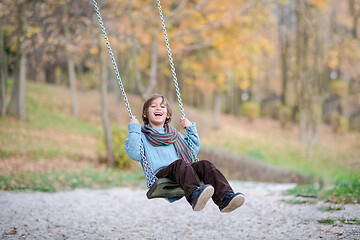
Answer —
271 110
344 124
339 123
121 158
284 116
251 110
340 87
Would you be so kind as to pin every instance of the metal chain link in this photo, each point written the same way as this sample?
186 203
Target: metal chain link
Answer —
112 59
147 169
192 151
172 66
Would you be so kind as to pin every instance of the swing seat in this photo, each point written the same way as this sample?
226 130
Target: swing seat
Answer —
165 188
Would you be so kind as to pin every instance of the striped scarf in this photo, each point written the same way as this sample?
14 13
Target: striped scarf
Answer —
171 136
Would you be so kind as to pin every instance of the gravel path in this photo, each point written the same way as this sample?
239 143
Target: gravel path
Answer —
124 213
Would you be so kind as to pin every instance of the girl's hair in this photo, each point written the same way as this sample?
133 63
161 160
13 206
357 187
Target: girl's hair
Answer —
148 103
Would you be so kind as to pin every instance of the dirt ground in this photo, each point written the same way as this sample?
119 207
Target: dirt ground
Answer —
125 213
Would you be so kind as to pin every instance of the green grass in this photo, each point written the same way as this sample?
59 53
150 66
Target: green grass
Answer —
297 201
283 149
256 153
60 180
303 190
326 221
49 133
350 221
346 190
43 119
35 147
332 221
330 208
45 133
294 158
343 191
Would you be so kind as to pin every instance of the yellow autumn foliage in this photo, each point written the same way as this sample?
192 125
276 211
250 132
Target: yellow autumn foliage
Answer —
333 62
94 51
340 87
251 110
319 3
244 84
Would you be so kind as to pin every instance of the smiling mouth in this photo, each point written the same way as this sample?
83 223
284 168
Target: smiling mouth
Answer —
158 115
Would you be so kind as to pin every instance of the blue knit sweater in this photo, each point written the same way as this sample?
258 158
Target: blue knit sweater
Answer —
157 157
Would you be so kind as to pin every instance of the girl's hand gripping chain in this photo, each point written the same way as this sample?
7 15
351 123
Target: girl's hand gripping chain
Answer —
184 122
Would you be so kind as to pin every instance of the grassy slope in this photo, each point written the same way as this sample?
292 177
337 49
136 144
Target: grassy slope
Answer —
51 133
49 130
52 149
335 156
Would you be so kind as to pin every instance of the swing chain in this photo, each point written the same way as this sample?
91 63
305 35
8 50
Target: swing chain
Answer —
192 151
112 59
147 169
172 66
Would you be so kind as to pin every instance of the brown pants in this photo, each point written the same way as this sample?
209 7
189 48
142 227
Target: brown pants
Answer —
188 176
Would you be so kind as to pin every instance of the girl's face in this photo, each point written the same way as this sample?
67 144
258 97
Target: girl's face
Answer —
157 113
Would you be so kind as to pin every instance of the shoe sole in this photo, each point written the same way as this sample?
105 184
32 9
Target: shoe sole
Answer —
235 203
203 198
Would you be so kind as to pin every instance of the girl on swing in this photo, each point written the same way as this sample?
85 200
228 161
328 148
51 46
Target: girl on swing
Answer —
169 156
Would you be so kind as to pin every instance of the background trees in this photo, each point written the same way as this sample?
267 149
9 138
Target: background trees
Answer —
291 58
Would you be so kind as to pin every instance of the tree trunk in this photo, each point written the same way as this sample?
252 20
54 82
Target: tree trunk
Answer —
72 82
354 12
133 54
104 110
80 74
35 68
217 110
251 80
4 73
118 97
17 103
230 102
49 70
284 44
153 63
313 130
302 125
309 65
118 103
355 26
70 65
21 114
144 90
300 69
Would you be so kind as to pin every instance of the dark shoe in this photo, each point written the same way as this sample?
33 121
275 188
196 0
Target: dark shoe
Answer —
200 196
231 202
